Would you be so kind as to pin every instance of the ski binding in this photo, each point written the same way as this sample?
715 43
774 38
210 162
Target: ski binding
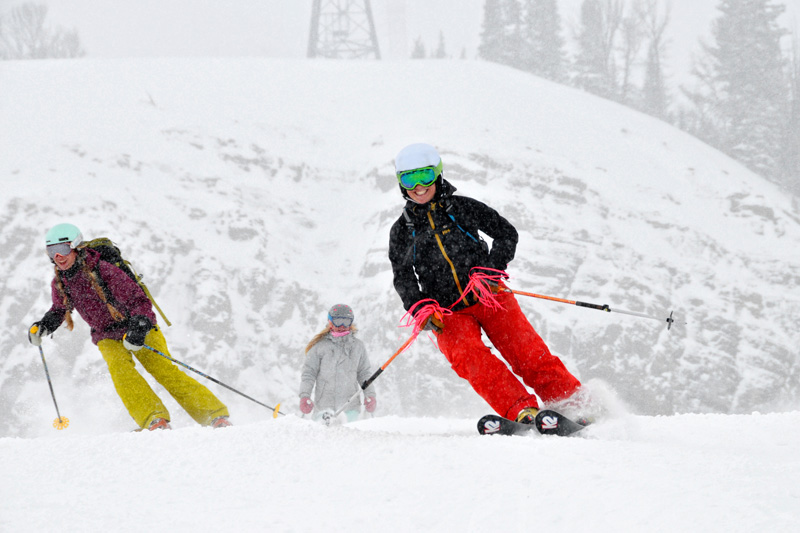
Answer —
548 422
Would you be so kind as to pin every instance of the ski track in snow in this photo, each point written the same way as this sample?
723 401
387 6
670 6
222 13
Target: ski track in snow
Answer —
634 473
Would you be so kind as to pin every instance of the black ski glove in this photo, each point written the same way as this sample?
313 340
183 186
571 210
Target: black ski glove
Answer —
138 327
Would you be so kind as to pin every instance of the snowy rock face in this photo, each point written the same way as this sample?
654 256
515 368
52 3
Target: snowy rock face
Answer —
254 194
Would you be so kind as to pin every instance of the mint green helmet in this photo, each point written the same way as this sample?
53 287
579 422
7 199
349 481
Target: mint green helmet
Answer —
64 233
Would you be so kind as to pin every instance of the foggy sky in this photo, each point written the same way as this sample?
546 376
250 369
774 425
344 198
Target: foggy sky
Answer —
280 28
272 28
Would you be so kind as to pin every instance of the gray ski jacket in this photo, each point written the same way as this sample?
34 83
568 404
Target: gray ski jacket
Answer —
336 365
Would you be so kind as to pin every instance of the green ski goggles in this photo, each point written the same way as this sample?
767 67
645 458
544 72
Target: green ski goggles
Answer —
425 176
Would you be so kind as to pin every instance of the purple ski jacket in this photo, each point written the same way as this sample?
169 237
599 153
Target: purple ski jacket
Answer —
128 298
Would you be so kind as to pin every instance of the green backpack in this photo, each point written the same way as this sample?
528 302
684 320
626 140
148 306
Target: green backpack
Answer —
110 253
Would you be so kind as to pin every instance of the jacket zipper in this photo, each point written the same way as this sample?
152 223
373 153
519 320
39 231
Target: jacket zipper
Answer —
444 253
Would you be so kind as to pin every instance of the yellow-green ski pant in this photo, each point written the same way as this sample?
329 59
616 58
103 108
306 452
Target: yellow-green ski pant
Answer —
140 400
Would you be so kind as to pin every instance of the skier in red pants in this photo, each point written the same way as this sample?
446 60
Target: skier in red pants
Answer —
437 257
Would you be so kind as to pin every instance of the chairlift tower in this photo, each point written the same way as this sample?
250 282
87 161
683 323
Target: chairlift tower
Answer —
342 29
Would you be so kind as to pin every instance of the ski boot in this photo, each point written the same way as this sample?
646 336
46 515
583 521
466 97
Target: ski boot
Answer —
527 415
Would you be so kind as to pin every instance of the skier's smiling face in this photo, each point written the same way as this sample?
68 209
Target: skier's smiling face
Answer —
65 262
421 194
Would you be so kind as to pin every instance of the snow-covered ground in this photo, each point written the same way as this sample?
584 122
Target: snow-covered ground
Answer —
698 473
256 193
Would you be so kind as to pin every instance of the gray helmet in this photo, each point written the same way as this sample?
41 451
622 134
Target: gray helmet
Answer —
342 314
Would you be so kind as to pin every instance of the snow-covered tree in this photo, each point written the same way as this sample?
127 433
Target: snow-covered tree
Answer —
655 100
23 35
741 104
501 37
491 45
440 52
419 49
791 151
632 37
595 68
543 47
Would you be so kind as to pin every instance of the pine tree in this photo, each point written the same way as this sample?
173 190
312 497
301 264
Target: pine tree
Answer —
791 151
542 44
491 45
501 37
419 49
440 53
513 34
742 104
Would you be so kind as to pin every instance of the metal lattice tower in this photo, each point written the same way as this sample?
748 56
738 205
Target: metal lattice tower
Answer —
342 29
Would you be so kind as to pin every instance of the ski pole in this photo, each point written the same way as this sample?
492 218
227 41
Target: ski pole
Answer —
603 307
61 422
275 410
377 373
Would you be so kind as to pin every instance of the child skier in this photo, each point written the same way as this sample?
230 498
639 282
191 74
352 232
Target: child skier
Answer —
436 254
336 363
122 321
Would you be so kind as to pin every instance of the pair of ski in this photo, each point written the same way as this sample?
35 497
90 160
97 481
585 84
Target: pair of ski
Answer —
547 422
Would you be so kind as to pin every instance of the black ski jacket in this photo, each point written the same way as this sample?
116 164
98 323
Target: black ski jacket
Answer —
432 247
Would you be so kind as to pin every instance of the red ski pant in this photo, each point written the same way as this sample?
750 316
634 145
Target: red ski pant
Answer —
510 332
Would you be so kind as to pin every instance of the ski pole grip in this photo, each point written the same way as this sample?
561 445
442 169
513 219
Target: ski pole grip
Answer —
603 307
372 378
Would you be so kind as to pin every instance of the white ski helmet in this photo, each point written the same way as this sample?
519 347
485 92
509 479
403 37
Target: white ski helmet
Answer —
419 155
64 233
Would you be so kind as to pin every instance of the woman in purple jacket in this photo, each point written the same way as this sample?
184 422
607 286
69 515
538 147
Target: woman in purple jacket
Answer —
122 321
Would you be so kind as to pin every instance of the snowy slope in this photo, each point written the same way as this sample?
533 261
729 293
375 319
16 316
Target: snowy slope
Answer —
710 473
253 194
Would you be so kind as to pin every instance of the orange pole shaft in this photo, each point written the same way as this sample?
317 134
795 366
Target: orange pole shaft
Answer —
399 351
543 297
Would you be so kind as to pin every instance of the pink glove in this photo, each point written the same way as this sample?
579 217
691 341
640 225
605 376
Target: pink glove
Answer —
306 405
370 403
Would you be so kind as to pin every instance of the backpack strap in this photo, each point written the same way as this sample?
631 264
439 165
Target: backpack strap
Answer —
110 300
448 207
153 301
104 243
413 230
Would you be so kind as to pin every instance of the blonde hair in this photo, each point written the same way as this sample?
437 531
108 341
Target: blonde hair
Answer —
64 300
95 283
319 336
